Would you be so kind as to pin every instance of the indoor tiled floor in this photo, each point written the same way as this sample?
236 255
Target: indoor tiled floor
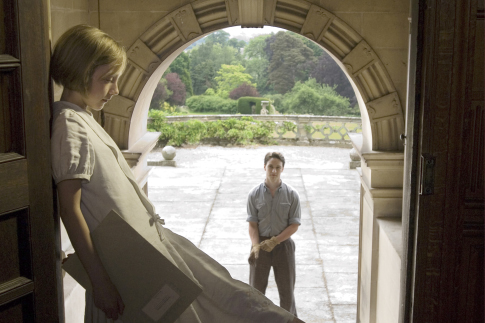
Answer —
204 199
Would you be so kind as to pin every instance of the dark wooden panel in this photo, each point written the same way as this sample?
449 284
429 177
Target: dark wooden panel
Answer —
8 62
474 152
447 264
9 157
14 191
15 249
471 283
14 289
8 28
11 123
18 311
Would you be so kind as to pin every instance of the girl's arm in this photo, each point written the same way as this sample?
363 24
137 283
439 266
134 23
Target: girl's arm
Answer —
106 296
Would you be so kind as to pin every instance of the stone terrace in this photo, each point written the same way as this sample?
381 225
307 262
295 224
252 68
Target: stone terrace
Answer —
204 199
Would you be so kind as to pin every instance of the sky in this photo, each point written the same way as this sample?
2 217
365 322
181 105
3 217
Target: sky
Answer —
248 33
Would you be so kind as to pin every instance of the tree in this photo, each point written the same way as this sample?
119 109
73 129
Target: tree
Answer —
202 69
160 95
312 98
317 50
243 90
224 55
175 85
219 37
256 47
205 60
236 43
327 71
181 66
229 77
288 61
257 62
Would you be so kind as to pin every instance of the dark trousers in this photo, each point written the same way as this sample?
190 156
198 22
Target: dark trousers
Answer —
282 259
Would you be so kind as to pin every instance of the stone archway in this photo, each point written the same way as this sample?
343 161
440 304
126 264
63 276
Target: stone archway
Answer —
155 49
381 154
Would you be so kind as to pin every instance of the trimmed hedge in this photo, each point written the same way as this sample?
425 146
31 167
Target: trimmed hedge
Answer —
244 105
211 103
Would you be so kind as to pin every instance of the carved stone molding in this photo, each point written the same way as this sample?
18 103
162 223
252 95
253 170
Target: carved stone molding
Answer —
117 116
232 9
383 108
385 115
360 58
316 24
185 22
269 11
120 106
251 13
140 56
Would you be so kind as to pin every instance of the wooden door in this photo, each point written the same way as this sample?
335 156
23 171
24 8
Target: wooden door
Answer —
445 221
28 271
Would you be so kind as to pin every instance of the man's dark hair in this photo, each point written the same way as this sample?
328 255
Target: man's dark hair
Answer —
276 155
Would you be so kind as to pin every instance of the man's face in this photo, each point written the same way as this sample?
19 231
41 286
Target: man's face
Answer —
274 168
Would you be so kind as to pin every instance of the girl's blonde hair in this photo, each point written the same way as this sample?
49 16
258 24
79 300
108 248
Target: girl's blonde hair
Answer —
79 51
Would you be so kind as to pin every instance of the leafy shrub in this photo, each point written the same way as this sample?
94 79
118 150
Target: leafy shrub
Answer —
243 131
312 98
243 90
207 103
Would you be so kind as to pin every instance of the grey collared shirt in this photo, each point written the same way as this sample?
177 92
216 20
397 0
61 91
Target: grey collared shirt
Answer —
273 214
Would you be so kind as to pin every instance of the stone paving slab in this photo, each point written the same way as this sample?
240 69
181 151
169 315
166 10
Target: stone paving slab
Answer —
192 194
344 313
204 199
342 287
339 258
169 210
312 192
229 212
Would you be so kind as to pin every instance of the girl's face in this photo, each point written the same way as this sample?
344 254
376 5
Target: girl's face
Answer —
103 87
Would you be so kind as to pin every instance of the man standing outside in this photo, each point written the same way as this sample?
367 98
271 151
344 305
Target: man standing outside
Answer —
274 216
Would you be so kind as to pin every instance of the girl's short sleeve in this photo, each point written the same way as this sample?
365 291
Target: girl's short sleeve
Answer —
72 152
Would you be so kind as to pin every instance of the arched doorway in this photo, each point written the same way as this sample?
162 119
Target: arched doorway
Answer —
158 46
381 110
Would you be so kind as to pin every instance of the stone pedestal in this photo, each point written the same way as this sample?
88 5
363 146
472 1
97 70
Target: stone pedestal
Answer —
171 163
354 159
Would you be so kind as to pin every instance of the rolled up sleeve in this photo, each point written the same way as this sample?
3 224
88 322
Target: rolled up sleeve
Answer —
251 209
295 209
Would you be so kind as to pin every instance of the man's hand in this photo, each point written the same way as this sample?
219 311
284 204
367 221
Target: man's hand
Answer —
268 245
254 254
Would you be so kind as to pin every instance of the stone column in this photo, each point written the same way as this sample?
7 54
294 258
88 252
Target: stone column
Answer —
381 199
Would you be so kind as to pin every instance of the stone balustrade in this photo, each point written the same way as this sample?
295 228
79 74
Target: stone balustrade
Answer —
301 130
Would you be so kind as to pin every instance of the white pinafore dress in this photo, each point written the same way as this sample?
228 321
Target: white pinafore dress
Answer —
81 149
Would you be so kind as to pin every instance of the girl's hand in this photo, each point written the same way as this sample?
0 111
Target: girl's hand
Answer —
107 299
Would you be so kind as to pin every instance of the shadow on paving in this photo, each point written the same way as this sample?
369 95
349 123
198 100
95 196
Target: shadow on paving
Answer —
204 200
